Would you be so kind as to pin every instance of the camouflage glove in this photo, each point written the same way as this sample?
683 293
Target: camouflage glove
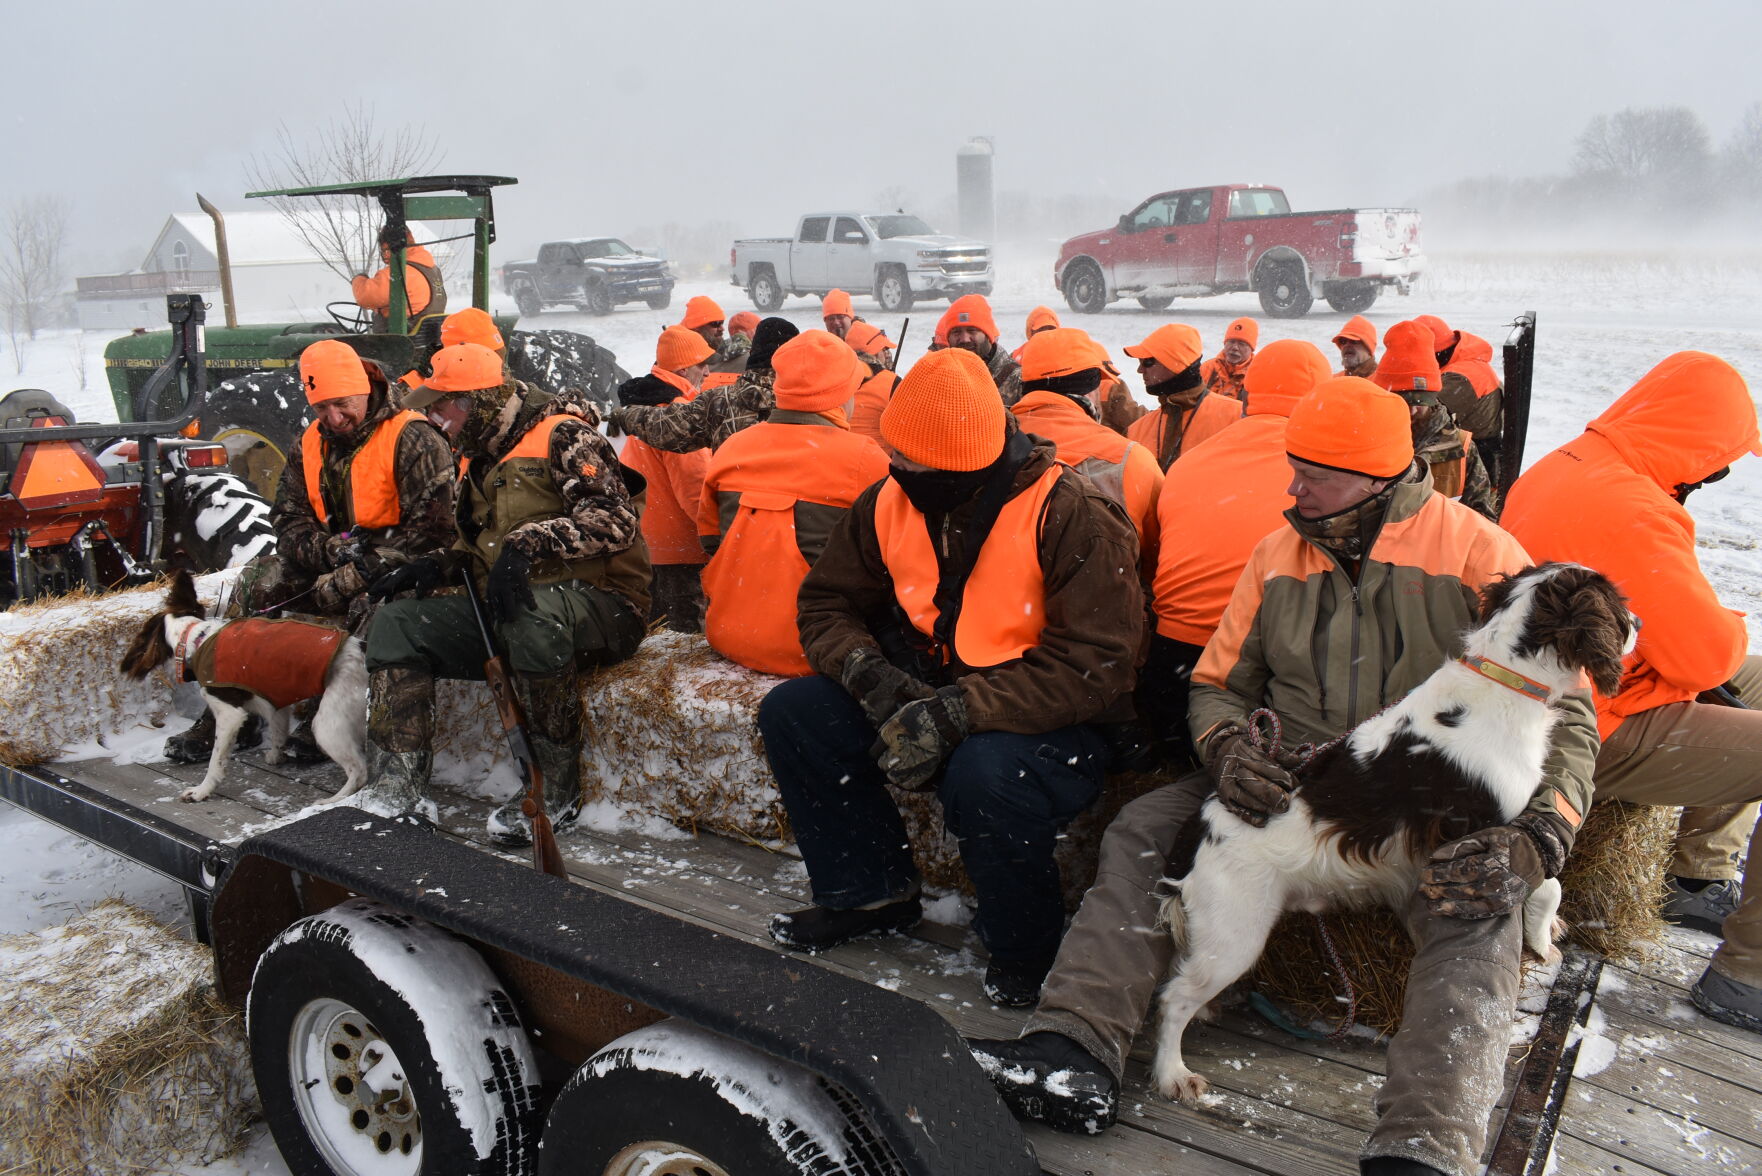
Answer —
1250 784
1483 875
420 576
913 743
879 686
334 590
510 592
339 549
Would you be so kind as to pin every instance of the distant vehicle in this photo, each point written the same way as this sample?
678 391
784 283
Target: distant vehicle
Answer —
1232 237
893 255
593 274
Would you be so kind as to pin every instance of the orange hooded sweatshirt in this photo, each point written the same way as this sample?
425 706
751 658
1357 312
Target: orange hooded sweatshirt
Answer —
1607 500
676 483
375 293
1473 361
1219 501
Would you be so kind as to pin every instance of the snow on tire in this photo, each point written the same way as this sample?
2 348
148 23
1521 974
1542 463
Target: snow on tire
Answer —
673 1099
216 520
384 1046
559 361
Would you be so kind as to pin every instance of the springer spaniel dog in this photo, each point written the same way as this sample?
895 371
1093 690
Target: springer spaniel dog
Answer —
1460 753
258 667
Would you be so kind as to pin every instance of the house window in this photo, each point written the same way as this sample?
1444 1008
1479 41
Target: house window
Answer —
180 257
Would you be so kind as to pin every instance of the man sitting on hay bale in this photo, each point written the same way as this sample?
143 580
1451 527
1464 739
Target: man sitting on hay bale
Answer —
1385 579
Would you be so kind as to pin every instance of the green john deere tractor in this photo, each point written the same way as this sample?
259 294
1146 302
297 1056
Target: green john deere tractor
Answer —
257 409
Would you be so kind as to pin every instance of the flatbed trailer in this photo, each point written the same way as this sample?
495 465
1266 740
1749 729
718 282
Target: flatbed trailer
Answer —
652 927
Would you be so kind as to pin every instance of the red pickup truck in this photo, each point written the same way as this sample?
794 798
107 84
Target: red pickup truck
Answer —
1231 237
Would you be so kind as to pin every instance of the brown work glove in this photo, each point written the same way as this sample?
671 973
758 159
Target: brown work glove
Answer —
1488 873
1251 784
879 686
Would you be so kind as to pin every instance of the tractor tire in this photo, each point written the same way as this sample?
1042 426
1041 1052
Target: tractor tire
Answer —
766 293
258 417
1159 303
893 290
1351 297
383 1046
214 520
528 302
1085 290
1283 291
566 361
676 1100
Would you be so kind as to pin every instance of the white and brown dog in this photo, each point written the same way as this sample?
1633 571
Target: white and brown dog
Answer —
257 667
1462 752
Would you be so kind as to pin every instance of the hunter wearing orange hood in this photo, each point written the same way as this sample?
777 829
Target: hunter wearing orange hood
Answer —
424 292
1613 499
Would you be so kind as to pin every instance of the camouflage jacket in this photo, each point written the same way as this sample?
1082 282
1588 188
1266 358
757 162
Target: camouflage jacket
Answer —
1456 466
731 356
1006 373
423 466
706 420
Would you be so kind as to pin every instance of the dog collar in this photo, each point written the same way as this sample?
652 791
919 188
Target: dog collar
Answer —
180 670
1505 676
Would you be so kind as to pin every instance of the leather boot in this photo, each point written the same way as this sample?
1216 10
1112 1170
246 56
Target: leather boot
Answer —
195 745
400 743
509 826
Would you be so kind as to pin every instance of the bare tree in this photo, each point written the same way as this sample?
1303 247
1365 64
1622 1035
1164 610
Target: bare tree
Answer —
1743 153
31 268
1644 143
341 231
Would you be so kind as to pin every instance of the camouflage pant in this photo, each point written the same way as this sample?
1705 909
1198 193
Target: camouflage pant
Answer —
270 582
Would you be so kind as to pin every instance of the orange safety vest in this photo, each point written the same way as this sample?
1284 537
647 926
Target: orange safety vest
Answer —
372 476
1006 583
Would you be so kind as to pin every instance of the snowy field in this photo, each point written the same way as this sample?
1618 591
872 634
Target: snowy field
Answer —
1602 323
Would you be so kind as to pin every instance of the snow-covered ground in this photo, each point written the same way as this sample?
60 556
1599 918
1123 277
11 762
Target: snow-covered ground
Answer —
1603 321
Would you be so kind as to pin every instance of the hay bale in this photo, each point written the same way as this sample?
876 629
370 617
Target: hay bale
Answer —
1613 886
115 1053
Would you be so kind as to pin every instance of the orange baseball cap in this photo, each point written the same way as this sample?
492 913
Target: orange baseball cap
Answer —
1350 424
471 325
868 339
1174 345
1282 375
744 322
1358 329
463 367
1409 363
1443 338
835 302
946 413
330 370
701 311
816 372
1041 318
969 310
681 347
1245 329
1060 351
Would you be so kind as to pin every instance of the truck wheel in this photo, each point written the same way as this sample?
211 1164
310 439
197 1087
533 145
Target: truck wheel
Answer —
216 521
766 294
1283 292
257 417
1084 288
893 290
1351 297
528 302
382 1045
676 1100
1159 303
659 301
596 298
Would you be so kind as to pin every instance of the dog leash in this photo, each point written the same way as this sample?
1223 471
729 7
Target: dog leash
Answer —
1351 994
285 603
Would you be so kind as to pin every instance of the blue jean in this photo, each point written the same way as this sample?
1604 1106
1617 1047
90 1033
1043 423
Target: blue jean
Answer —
1004 797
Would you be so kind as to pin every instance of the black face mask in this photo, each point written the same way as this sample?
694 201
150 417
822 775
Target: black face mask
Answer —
939 491
1684 489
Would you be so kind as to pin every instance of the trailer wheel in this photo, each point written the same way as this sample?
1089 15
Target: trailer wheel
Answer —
1351 297
1283 292
383 1046
672 1099
216 521
527 301
766 294
1084 288
893 290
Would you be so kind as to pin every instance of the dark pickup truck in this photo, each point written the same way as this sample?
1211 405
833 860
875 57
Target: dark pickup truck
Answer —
593 274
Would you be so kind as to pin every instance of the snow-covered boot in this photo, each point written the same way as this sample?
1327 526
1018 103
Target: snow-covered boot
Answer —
509 826
397 783
400 743
1050 1079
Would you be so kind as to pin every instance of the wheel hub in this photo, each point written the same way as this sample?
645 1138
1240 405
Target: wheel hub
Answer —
656 1157
352 1092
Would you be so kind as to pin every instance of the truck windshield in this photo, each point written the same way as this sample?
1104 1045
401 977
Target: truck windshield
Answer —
887 227
1258 202
606 247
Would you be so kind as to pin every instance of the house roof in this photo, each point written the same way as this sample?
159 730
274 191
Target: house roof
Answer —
254 237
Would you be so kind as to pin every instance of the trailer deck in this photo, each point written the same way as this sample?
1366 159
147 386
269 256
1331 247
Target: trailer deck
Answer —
1659 1088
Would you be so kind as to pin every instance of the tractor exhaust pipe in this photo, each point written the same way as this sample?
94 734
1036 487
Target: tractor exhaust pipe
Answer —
224 257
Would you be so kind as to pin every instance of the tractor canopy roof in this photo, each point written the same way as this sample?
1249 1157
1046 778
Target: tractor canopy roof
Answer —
406 186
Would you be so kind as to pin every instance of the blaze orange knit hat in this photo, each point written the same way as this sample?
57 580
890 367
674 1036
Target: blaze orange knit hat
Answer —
816 372
471 325
1245 329
681 347
946 413
744 322
1409 363
701 311
1061 351
1443 337
1282 375
969 310
463 367
330 370
1358 329
835 302
1346 423
1041 318
868 339
1174 345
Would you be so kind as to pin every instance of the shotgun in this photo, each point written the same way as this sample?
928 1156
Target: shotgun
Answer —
545 854
900 344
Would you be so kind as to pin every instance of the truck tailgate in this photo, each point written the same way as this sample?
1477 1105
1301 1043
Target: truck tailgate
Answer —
1385 234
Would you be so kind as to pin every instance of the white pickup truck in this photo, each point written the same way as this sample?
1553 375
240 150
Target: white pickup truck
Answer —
896 257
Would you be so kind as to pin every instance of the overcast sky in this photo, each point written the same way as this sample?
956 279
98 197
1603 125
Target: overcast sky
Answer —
619 115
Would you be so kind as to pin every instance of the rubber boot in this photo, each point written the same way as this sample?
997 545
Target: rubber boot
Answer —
397 783
195 745
509 826
400 743
302 746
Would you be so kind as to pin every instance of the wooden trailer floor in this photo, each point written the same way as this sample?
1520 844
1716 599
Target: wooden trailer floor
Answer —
1658 1089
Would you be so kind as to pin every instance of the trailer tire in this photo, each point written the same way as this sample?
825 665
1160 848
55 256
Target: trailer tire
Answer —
1351 297
353 992
893 290
676 1100
1084 288
215 521
766 294
1284 293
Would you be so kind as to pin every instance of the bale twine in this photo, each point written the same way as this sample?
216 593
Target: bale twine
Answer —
1613 886
115 1053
